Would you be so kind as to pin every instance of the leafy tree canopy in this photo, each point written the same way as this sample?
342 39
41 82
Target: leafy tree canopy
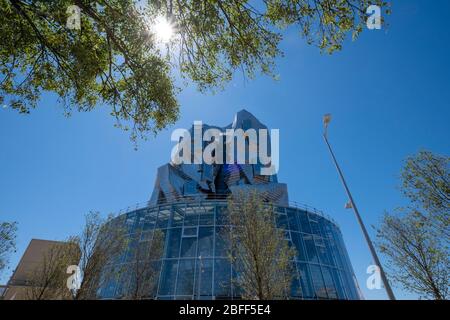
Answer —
115 60
415 240
8 234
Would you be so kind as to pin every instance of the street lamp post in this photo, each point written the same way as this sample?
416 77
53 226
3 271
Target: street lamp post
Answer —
390 293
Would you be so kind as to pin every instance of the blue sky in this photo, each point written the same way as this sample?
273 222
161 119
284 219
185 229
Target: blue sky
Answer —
389 93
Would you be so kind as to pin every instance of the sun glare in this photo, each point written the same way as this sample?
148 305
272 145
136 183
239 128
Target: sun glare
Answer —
163 29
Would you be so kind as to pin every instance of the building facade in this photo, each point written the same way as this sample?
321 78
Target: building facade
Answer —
189 207
33 257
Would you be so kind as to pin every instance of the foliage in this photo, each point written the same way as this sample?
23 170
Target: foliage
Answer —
426 182
48 279
8 234
143 269
102 243
259 251
415 239
116 60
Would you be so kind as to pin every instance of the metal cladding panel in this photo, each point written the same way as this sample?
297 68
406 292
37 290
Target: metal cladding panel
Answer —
204 180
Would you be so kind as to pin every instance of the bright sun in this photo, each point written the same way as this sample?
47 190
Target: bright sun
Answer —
163 29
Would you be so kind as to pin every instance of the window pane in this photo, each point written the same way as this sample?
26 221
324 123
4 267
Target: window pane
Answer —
222 244
188 247
310 248
168 276
130 221
150 220
173 243
204 278
163 217
315 227
222 216
281 221
319 286
298 243
185 284
140 220
178 216
190 231
321 250
337 281
222 278
205 241
191 217
329 283
305 281
207 216
122 284
292 219
304 222
296 289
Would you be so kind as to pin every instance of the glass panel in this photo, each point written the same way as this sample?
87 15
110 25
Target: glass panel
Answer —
156 265
292 219
317 280
338 283
335 251
205 241
191 216
304 222
222 278
321 250
236 290
168 276
140 220
298 243
188 247
146 236
310 248
329 284
222 244
163 217
110 281
328 241
281 221
305 280
296 289
190 231
130 221
315 228
204 278
178 216
173 243
150 220
132 248
207 216
122 285
280 210
222 217
185 283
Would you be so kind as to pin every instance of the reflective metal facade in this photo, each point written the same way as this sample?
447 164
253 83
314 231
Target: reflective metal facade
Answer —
195 265
183 180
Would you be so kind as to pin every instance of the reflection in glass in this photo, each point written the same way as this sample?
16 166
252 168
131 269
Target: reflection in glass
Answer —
186 271
168 276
